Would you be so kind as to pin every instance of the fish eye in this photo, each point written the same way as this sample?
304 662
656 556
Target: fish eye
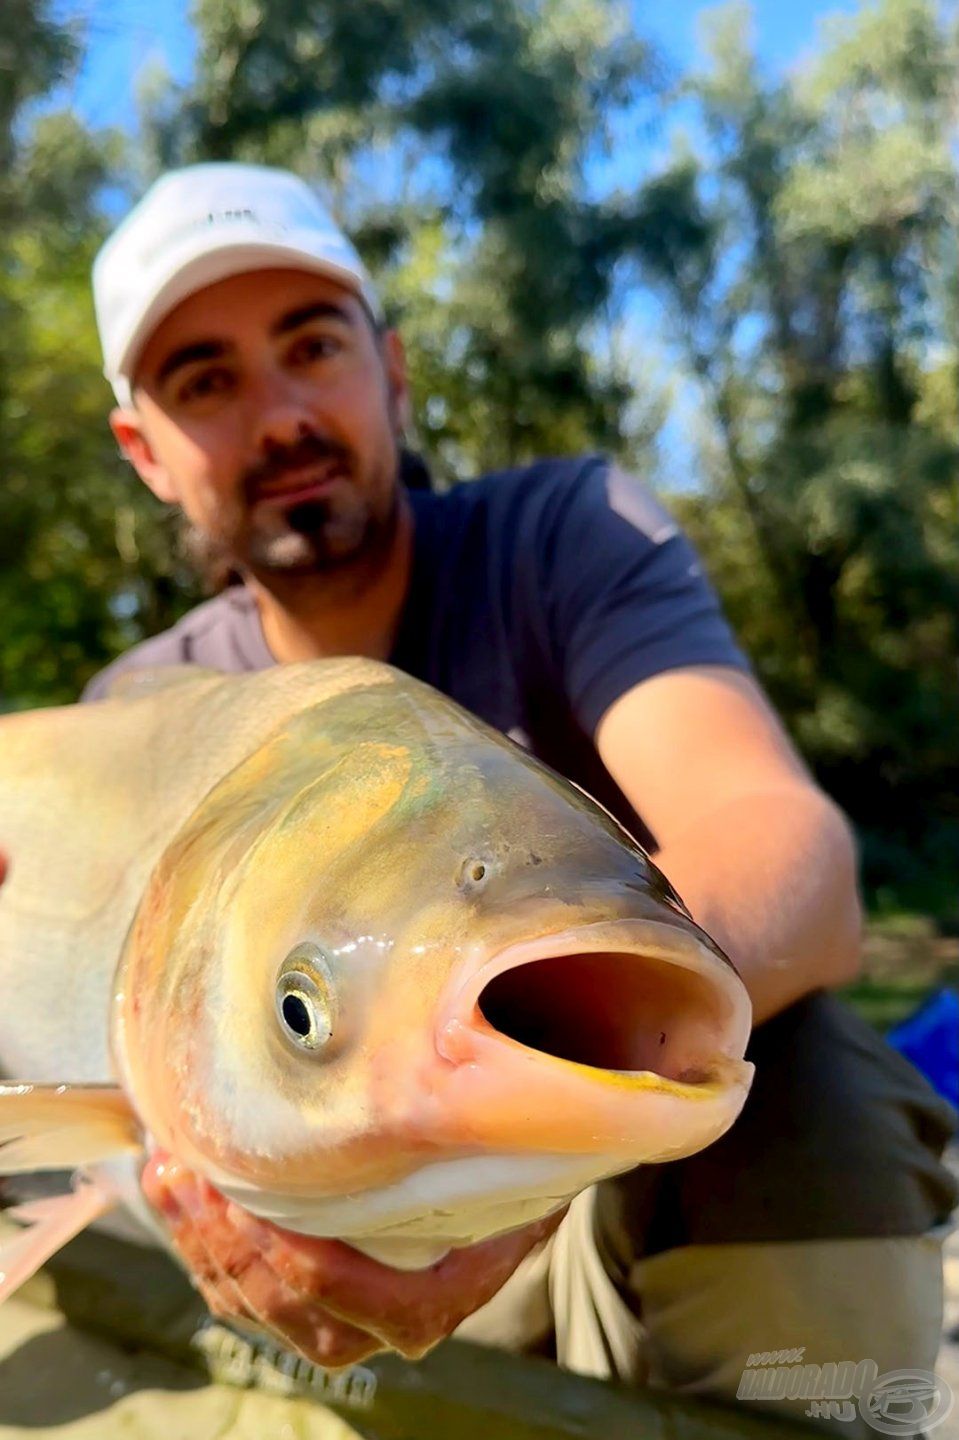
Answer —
306 998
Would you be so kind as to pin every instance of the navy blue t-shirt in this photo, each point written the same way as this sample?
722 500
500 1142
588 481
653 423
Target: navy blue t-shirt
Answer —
537 598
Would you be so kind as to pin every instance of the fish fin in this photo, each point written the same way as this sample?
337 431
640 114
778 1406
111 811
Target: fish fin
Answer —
132 683
51 1224
58 1127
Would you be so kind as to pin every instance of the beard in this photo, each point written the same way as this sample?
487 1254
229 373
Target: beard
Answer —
343 533
312 537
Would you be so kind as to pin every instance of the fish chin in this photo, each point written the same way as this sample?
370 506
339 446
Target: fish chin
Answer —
442 1206
400 1253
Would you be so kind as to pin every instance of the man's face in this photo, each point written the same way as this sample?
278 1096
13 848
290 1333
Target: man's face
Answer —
268 409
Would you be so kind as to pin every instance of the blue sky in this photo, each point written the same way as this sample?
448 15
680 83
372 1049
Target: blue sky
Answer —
126 35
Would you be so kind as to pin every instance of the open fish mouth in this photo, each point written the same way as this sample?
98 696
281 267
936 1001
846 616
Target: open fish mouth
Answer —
606 1009
629 996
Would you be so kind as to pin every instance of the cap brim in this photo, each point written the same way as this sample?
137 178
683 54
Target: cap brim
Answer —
200 271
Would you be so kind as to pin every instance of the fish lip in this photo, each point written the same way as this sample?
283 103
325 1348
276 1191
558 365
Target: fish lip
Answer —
459 1014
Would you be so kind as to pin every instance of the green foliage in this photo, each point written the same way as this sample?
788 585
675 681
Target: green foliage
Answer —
804 264
84 569
35 53
456 140
801 241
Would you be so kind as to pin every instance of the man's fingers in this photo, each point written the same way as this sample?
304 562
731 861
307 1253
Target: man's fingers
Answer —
236 1282
410 1310
177 1197
322 1297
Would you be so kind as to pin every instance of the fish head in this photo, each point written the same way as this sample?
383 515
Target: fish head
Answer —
397 979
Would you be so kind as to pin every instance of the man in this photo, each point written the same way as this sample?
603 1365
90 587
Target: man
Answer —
260 392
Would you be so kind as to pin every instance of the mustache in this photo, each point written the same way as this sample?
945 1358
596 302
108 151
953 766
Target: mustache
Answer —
309 450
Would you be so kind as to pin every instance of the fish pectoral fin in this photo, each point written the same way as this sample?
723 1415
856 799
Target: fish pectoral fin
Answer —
50 1224
60 1127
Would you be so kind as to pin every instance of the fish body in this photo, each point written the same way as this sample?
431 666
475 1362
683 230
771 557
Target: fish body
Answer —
349 954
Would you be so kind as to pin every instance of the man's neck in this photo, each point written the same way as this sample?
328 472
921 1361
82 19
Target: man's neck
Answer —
347 614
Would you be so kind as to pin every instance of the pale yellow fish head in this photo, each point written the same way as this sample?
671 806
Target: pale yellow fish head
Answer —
389 952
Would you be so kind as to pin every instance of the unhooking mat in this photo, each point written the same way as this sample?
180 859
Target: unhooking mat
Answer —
110 1342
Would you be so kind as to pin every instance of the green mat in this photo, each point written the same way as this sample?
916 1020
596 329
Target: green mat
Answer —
111 1341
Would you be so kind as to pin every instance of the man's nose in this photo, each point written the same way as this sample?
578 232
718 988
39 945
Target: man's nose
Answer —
281 414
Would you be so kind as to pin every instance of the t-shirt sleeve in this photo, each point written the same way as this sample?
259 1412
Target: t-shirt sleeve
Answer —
221 634
625 593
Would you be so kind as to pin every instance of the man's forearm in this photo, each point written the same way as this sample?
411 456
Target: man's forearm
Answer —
772 877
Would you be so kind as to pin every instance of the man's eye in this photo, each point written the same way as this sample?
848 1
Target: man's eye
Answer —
314 347
215 381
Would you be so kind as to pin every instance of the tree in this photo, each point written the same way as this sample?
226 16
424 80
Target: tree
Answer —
803 254
455 139
82 574
802 239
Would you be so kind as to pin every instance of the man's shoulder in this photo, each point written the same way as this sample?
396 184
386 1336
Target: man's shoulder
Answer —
202 636
567 487
588 501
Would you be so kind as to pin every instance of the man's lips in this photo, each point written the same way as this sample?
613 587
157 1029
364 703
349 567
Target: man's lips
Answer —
298 485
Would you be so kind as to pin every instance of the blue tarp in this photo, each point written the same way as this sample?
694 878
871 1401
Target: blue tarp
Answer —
930 1039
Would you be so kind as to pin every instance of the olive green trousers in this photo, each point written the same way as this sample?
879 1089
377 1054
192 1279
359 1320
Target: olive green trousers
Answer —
691 1320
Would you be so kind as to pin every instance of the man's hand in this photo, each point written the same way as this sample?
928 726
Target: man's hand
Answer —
320 1297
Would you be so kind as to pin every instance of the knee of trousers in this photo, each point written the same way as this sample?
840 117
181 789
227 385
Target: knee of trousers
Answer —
789 1326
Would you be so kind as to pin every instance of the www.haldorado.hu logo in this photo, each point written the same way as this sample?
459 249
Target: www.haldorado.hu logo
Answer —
899 1402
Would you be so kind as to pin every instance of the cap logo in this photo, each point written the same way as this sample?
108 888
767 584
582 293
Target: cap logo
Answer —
202 222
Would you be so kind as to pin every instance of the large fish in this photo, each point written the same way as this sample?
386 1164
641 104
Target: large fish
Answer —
347 953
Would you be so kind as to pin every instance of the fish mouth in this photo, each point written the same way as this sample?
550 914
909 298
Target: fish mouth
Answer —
627 996
624 1034
612 1010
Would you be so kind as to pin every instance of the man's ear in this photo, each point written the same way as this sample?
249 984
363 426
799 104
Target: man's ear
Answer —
394 358
127 428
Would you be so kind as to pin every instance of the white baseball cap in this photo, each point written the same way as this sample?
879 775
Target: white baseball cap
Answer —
200 225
